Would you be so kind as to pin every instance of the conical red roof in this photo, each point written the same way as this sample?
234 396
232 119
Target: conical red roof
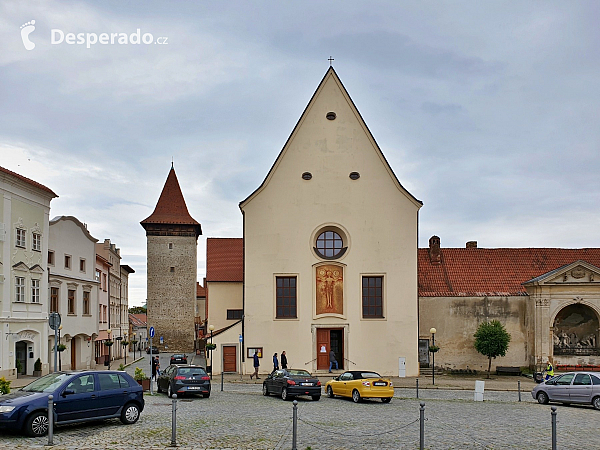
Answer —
171 207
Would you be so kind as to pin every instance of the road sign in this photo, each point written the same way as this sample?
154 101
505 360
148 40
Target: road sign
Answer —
54 320
241 338
151 332
162 341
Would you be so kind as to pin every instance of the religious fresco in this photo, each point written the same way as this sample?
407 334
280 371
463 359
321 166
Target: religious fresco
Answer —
330 290
575 331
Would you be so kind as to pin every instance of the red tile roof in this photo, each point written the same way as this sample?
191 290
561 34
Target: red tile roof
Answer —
171 207
138 320
200 291
28 181
492 271
225 259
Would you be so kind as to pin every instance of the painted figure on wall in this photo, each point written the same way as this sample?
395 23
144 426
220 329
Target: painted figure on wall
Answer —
330 290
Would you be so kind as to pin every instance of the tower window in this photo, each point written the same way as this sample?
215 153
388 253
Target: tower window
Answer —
170 246
172 269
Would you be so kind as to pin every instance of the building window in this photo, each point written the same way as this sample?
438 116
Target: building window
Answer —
67 261
286 297
172 269
100 318
98 275
37 242
35 291
234 314
105 314
372 297
330 244
104 281
81 265
71 297
170 246
86 303
19 289
50 258
53 299
20 238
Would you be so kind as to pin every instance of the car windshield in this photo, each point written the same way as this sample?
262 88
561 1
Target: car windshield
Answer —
47 383
177 356
191 371
370 375
298 373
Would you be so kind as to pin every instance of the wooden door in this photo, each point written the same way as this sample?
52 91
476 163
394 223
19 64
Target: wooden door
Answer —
73 355
323 348
230 358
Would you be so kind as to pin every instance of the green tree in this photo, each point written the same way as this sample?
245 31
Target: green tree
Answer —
137 310
491 340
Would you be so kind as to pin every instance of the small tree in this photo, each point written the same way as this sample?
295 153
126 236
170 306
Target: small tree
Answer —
491 340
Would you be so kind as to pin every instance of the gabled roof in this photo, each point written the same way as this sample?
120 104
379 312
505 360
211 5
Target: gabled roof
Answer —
548 276
138 320
224 259
171 208
28 181
200 291
77 222
492 271
331 73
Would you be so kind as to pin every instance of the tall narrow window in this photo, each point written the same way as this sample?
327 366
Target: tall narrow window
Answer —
81 265
19 289
53 299
286 297
372 297
50 258
35 291
20 242
37 242
71 305
67 262
86 303
98 274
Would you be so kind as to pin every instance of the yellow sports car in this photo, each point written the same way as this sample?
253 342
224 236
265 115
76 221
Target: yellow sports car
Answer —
360 384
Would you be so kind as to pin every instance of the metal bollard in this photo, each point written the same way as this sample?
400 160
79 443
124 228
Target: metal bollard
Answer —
553 427
422 426
222 372
294 424
174 422
519 390
50 420
417 388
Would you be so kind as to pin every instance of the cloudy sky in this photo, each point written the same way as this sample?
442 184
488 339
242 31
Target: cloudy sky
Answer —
487 111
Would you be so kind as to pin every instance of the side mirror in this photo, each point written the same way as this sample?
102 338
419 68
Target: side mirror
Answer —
68 392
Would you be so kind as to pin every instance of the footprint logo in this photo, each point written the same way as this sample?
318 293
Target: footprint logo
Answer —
26 30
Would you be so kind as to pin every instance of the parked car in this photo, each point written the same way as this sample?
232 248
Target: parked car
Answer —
359 384
79 396
572 387
290 383
179 358
154 350
184 380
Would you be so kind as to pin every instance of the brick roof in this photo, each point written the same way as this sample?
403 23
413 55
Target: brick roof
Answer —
492 271
225 259
200 291
171 207
138 320
28 181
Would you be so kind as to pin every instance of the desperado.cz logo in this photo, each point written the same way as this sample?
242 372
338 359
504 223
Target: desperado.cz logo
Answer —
58 36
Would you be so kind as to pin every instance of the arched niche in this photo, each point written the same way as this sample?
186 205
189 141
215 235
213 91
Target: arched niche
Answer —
575 331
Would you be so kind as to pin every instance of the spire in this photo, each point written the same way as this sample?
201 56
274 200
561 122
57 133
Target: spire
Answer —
171 208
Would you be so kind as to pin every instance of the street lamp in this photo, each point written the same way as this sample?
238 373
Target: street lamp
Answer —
134 342
211 328
108 332
59 353
126 347
432 331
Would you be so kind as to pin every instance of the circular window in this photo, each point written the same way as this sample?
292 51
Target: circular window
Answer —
330 115
306 176
330 245
354 175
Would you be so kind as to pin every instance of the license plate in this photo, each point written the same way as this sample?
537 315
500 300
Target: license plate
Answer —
379 383
193 387
306 384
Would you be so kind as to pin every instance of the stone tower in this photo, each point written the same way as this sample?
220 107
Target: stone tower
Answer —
172 238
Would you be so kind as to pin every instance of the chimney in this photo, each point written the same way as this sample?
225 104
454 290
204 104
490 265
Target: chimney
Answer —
435 255
472 244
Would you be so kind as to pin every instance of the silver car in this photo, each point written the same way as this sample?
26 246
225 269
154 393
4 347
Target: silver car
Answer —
572 387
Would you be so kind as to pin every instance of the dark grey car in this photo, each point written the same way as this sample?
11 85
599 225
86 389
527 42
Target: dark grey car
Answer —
184 380
572 387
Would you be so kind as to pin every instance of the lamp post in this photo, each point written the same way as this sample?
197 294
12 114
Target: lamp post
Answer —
432 331
134 342
108 332
211 328
59 353
126 347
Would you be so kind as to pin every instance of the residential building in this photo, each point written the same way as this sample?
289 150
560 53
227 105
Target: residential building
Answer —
101 276
112 254
138 331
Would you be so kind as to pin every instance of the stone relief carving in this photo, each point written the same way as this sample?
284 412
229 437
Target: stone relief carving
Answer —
575 331
578 272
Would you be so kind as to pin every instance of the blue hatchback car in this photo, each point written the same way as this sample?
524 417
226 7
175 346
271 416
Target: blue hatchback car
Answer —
79 396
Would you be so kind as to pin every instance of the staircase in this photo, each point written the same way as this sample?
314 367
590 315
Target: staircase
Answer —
426 371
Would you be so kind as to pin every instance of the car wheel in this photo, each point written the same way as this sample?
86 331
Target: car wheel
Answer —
169 391
542 398
330 392
355 396
206 395
596 402
265 390
386 399
37 424
284 394
130 414
316 398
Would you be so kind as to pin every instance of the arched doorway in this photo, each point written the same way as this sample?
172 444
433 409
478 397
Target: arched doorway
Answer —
21 357
576 331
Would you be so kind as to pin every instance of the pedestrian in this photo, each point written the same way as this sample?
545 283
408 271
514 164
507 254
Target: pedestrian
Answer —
157 367
256 365
332 360
154 368
549 370
283 360
275 363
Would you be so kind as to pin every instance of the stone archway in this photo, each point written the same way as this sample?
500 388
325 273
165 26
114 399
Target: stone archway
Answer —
575 331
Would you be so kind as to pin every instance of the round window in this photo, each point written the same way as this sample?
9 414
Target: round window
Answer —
330 244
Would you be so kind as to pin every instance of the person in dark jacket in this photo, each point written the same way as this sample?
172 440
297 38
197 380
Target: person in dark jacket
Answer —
332 361
275 363
283 360
256 365
154 368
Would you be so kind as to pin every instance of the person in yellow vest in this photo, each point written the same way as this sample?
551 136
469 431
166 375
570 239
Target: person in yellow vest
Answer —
549 370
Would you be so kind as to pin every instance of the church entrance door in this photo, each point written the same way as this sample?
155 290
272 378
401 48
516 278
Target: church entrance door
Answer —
229 359
330 339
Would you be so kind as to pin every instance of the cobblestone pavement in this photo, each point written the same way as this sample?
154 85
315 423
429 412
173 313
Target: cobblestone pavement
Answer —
241 418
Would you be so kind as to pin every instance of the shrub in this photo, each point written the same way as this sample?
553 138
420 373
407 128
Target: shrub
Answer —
139 374
4 386
121 367
37 366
